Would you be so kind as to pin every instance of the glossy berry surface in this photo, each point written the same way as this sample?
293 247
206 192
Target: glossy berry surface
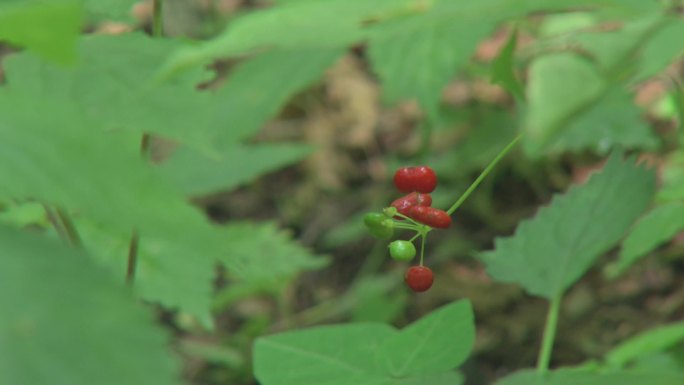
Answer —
421 179
419 278
402 250
413 199
429 216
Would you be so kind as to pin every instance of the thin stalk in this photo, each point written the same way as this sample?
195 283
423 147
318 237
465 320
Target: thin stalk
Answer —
56 222
422 247
484 173
549 335
157 19
132 258
133 245
69 227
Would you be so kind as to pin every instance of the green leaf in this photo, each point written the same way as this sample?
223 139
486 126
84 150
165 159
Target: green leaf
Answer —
116 10
649 342
56 157
672 188
257 89
24 214
560 86
50 28
612 121
198 174
366 353
113 86
419 63
663 48
438 342
167 271
658 226
262 259
303 24
610 50
581 377
341 23
548 253
99 172
502 71
65 322
332 355
678 101
263 253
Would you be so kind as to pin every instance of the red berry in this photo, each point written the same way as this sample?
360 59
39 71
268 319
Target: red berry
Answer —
418 278
430 216
413 199
421 179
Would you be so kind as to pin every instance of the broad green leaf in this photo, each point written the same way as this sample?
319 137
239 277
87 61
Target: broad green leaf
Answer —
678 102
649 342
117 10
50 28
565 23
613 120
438 342
255 91
672 188
56 157
331 355
440 40
197 174
503 69
658 362
658 226
178 248
560 86
548 253
341 23
303 24
661 49
167 272
611 49
581 377
262 259
66 322
366 353
257 88
263 253
112 84
419 63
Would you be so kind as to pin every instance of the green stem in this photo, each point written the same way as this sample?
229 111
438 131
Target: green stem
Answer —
70 228
422 247
549 335
157 20
56 223
132 263
484 173
133 245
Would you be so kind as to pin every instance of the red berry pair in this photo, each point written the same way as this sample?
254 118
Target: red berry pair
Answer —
421 179
419 182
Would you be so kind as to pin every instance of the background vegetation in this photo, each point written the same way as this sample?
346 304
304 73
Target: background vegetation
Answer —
181 178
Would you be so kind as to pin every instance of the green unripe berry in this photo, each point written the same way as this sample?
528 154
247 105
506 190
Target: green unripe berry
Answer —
378 225
389 212
402 250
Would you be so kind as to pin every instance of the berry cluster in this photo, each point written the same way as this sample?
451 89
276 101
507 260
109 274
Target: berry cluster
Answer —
412 211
